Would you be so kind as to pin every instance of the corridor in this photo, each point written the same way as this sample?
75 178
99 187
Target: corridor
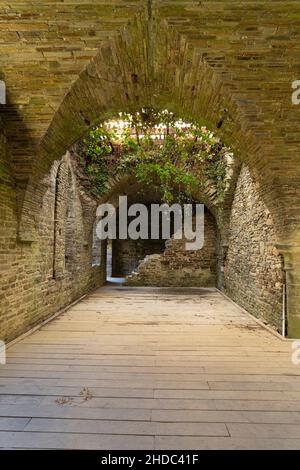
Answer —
150 368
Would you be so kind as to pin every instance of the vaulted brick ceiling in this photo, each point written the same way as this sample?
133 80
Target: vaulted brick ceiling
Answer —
230 63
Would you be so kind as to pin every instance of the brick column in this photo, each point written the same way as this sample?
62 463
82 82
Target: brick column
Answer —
291 255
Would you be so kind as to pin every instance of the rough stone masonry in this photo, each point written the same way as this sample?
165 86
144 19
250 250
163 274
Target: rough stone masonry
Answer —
68 64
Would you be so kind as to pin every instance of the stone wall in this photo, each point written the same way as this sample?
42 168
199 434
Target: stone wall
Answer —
127 254
253 272
177 266
39 278
57 64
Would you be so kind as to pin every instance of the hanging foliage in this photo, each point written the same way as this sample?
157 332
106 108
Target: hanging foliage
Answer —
161 151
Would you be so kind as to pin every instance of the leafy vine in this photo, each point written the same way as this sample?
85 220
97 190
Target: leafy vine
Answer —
160 151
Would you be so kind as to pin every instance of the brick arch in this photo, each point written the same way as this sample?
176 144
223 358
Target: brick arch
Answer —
230 64
162 68
118 78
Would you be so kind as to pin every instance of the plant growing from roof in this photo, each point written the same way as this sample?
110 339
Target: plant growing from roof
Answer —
160 151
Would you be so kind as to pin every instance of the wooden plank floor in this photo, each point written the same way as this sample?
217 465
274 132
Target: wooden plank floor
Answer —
150 368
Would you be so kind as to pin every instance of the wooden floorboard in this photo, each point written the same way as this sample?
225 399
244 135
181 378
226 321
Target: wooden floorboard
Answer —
150 368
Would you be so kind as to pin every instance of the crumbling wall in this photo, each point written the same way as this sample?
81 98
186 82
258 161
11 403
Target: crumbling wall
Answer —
177 266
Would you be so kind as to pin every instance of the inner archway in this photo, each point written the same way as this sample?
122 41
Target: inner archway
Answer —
139 170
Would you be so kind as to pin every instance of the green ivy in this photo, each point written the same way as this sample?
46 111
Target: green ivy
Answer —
179 167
